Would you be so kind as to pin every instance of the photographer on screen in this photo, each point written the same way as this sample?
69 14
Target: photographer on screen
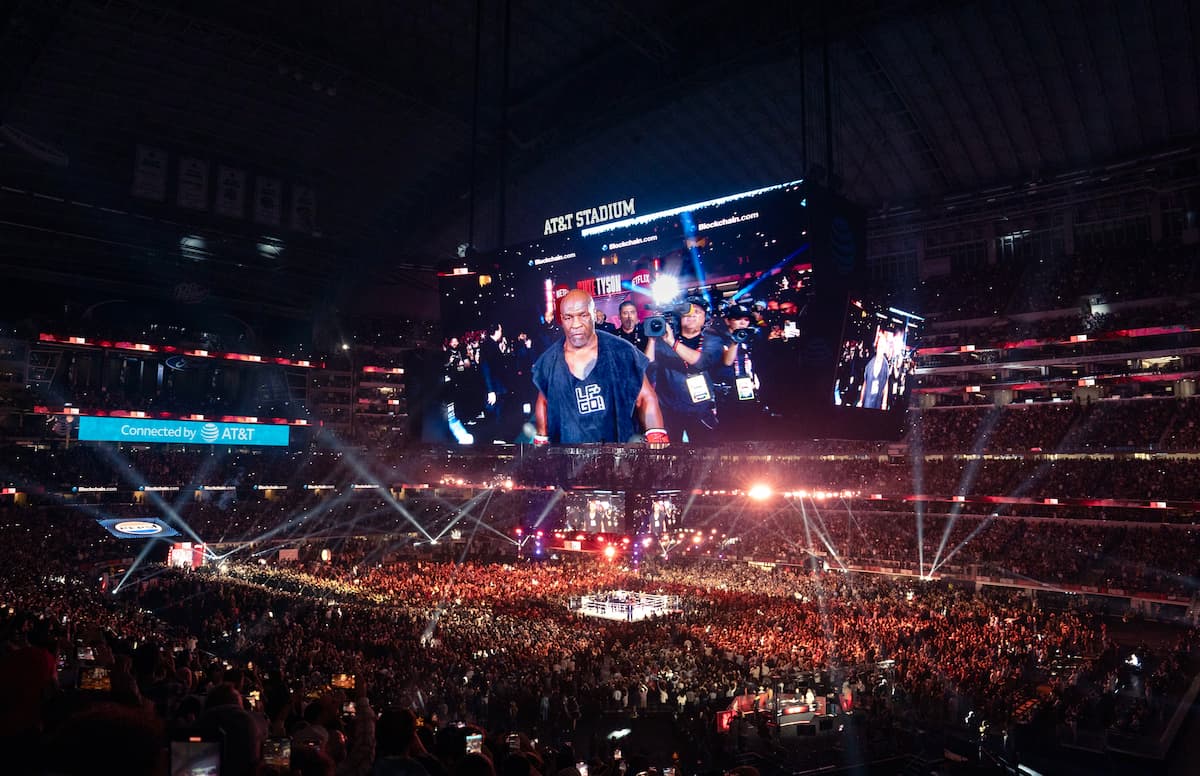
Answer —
735 380
683 360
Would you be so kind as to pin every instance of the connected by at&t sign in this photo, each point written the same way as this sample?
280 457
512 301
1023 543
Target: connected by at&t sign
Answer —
180 432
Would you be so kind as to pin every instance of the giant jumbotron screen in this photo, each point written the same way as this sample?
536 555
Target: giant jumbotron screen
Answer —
786 257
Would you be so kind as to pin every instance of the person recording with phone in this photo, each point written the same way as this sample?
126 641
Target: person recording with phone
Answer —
685 388
592 386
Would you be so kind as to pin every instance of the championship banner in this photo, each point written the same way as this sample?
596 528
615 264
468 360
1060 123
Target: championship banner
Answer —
304 209
193 183
268 194
231 192
180 432
150 173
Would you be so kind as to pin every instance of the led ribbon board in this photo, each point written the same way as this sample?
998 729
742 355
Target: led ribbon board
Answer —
180 432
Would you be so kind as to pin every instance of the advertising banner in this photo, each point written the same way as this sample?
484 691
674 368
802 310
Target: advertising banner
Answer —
180 432
138 528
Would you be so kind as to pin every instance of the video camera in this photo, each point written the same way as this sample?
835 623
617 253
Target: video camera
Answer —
741 336
656 325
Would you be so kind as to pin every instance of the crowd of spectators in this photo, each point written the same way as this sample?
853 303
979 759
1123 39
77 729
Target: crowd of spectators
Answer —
1153 559
1019 285
175 385
478 628
1133 425
1098 482
1058 326
253 648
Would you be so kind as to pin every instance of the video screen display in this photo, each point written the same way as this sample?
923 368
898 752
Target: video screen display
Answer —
594 512
704 324
657 512
195 758
876 363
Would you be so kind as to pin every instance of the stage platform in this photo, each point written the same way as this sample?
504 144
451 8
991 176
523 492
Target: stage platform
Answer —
625 605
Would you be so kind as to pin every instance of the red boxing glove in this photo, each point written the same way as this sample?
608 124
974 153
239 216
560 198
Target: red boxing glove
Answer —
657 436
540 440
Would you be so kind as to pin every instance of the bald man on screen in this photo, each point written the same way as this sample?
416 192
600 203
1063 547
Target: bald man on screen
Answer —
592 386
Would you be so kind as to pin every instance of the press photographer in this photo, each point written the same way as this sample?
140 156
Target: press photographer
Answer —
735 380
683 356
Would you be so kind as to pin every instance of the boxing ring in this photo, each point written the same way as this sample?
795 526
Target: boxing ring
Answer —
625 605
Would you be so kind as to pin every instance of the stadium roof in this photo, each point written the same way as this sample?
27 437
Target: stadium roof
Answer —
385 111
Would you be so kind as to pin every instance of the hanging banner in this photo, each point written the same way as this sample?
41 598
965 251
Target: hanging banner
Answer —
304 209
193 183
150 173
268 194
231 192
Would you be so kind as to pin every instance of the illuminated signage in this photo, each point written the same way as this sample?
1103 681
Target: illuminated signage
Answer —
180 432
590 228
623 208
551 259
175 362
140 528
603 285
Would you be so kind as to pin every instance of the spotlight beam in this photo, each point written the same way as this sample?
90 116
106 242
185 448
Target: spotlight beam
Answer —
464 511
822 609
779 265
461 510
135 478
558 494
441 605
136 562
324 506
977 530
698 484
820 534
917 457
969 475
352 461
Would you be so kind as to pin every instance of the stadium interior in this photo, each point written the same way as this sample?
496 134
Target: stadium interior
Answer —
276 496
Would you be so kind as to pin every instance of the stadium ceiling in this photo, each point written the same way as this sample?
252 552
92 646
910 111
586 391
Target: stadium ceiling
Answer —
385 110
